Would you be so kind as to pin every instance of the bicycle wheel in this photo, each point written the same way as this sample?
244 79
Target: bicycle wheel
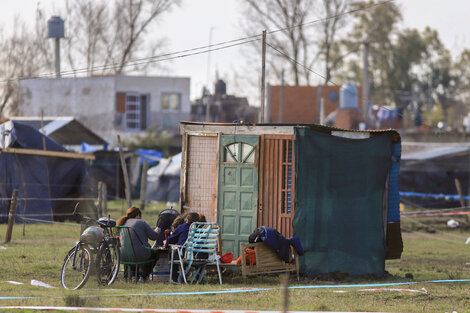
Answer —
108 262
76 268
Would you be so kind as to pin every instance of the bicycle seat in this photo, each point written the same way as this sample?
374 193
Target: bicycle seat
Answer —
106 222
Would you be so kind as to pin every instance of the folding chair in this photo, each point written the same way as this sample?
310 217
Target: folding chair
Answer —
202 241
128 254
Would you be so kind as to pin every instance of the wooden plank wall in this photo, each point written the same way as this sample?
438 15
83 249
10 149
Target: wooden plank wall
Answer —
271 181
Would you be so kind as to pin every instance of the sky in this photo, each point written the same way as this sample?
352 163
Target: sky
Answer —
200 22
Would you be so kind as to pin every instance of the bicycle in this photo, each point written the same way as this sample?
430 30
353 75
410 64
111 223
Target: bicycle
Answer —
97 249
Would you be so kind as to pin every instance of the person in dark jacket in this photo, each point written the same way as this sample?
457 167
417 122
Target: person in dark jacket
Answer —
140 235
179 235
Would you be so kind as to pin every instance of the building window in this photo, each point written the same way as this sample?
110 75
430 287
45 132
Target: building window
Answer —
171 101
131 111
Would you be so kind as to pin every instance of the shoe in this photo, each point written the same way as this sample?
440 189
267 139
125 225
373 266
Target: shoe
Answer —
143 279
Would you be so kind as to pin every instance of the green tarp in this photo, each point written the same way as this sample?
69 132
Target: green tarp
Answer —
340 187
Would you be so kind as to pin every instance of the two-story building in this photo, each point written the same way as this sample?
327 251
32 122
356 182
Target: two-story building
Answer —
110 105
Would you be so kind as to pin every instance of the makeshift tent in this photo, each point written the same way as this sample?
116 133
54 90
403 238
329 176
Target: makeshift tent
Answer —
340 204
430 173
44 182
163 180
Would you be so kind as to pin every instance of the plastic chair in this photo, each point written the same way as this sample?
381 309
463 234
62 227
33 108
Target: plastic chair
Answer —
128 254
202 241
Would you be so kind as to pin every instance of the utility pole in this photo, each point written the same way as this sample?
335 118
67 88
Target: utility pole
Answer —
281 98
263 78
365 83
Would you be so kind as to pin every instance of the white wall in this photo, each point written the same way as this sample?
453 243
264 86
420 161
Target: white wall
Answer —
89 100
92 100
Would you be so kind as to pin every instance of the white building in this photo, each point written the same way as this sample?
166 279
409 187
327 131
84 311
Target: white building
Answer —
110 105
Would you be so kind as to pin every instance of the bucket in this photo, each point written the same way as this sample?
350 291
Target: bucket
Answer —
161 270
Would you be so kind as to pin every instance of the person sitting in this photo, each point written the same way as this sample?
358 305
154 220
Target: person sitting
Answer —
181 229
140 235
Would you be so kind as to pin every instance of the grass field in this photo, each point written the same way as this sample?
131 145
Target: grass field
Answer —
437 255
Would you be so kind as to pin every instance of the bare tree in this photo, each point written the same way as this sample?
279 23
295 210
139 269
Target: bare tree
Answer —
287 18
22 54
105 37
333 20
101 37
291 32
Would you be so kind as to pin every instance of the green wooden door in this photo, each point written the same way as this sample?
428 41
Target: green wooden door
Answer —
238 190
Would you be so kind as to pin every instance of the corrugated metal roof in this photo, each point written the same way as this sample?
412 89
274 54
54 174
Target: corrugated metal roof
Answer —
65 130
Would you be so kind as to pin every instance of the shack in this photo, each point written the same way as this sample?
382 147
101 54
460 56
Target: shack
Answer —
334 189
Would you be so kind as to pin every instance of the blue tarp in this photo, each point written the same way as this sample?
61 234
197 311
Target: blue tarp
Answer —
151 156
43 182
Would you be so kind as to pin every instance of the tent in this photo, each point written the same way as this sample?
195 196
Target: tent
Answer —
163 180
431 173
44 175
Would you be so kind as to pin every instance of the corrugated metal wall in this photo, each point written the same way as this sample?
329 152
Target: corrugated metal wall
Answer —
201 167
277 183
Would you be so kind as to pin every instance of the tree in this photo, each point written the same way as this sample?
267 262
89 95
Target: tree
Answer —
107 37
292 36
329 46
286 17
101 37
377 25
22 54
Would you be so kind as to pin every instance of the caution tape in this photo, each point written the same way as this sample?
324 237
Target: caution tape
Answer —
244 290
69 308
434 214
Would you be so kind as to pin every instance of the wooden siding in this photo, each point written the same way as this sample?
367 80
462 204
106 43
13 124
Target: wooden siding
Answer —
276 208
201 171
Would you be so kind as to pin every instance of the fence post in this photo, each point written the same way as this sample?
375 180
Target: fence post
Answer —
285 291
100 199
11 215
143 184
104 190
124 173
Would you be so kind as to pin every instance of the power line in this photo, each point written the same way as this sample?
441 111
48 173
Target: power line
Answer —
189 52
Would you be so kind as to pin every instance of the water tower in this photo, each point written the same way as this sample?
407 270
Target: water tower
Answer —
348 115
55 29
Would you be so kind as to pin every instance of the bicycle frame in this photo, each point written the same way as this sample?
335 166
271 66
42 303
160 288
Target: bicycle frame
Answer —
101 243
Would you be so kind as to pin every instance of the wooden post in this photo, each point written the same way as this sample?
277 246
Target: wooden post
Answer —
127 187
143 184
104 190
462 201
285 291
263 78
100 199
47 166
11 215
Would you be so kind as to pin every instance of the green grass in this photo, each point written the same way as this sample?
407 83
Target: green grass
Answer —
427 256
